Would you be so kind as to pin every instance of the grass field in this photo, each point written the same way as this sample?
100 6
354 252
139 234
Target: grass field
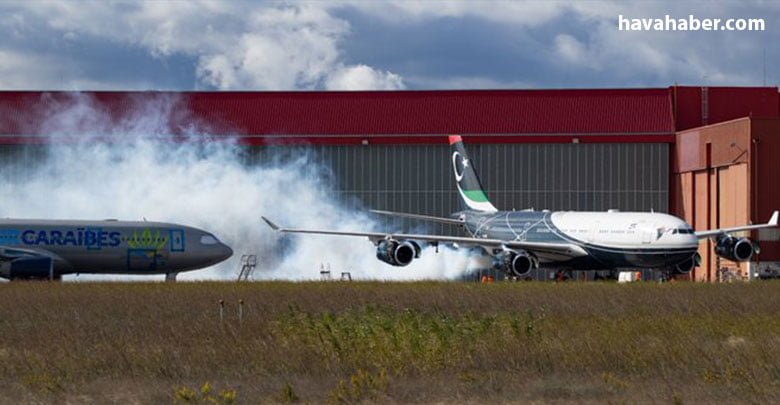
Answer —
389 342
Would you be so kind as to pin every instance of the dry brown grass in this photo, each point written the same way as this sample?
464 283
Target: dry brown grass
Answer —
402 342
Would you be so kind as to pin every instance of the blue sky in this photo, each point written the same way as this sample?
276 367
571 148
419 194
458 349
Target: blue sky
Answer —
360 45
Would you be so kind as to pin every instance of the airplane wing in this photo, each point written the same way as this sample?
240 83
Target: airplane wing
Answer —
554 251
451 221
715 232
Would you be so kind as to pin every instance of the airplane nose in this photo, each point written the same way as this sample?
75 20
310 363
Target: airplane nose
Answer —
225 252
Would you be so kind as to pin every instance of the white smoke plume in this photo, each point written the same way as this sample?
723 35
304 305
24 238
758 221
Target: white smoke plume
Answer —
97 168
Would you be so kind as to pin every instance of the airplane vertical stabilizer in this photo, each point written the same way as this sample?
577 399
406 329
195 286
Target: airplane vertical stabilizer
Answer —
469 187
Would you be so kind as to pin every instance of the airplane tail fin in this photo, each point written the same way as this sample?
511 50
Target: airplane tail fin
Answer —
469 187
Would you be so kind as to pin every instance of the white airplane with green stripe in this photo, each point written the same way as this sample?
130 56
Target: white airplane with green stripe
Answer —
520 241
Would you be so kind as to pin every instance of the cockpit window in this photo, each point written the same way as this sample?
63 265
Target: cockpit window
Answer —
208 240
675 231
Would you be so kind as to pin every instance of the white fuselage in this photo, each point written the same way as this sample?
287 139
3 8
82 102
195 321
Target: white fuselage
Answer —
636 230
604 239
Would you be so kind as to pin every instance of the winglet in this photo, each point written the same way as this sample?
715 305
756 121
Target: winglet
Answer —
271 224
773 220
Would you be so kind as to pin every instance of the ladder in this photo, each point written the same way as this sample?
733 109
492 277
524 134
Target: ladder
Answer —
248 264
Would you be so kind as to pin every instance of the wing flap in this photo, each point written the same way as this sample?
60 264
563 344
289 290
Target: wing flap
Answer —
451 221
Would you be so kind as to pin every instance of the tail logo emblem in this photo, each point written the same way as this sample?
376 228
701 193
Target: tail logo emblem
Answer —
463 162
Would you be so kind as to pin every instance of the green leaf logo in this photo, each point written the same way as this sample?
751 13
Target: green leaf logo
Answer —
148 240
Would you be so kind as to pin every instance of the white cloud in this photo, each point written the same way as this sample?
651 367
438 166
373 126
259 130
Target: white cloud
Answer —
669 57
571 50
301 45
585 35
466 82
35 71
245 46
217 71
292 48
363 77
16 69
530 13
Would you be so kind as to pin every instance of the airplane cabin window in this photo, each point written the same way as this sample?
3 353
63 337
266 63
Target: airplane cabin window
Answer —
208 240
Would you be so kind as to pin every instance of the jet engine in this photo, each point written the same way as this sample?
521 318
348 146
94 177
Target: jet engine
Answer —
515 263
26 268
736 249
688 265
397 253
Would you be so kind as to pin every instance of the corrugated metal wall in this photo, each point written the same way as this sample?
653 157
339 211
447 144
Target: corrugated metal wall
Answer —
419 179
16 159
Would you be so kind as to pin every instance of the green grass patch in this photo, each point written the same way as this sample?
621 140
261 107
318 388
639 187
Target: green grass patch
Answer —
352 342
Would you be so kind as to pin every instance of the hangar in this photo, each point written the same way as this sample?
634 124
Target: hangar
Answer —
703 153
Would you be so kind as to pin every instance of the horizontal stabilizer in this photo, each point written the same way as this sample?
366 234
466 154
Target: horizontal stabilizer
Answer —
271 224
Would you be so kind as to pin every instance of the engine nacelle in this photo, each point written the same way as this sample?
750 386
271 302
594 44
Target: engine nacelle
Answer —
397 253
735 249
688 265
27 268
514 263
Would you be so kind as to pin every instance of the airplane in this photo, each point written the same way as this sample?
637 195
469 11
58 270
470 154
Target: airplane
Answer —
48 249
520 241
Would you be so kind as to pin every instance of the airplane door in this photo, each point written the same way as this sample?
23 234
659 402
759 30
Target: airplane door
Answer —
141 260
594 229
177 240
647 235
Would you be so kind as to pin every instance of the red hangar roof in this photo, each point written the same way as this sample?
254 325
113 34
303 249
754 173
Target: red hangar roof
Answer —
319 117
